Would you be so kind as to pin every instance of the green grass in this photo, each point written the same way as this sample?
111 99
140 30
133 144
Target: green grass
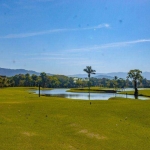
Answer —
145 92
92 90
29 122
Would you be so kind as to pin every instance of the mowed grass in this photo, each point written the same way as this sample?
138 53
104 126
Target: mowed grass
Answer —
29 122
145 92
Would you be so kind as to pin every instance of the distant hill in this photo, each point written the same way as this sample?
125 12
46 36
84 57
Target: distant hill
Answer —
110 75
146 75
79 75
13 72
124 75
118 74
92 75
103 76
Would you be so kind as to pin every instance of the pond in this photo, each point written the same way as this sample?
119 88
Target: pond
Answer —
84 96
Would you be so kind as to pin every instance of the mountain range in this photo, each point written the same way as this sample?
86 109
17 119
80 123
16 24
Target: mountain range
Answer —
110 75
98 75
12 72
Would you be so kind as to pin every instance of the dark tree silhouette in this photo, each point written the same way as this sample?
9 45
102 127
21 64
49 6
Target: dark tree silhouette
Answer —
89 71
136 76
43 77
115 82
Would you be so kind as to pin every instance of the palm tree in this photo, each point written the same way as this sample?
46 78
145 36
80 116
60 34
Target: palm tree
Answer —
89 71
115 82
136 76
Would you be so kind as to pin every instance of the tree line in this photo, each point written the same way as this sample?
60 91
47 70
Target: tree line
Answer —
61 81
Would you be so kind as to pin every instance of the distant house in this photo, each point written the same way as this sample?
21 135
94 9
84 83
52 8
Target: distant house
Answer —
75 80
85 79
80 79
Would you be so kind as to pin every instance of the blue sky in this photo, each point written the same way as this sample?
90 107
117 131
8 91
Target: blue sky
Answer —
65 36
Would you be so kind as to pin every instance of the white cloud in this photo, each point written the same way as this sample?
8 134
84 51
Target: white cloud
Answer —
105 25
24 35
109 45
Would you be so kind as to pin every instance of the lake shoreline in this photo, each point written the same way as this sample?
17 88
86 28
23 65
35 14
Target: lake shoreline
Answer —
85 95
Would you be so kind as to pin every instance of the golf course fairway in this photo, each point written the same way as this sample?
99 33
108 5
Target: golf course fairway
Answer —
29 122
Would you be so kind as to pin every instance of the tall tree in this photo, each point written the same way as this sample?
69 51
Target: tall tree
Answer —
43 77
89 71
34 79
115 82
53 82
121 83
27 79
136 76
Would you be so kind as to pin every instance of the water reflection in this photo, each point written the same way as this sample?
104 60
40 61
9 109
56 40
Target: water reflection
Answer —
85 96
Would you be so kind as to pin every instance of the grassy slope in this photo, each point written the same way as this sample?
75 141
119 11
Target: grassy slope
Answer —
28 122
